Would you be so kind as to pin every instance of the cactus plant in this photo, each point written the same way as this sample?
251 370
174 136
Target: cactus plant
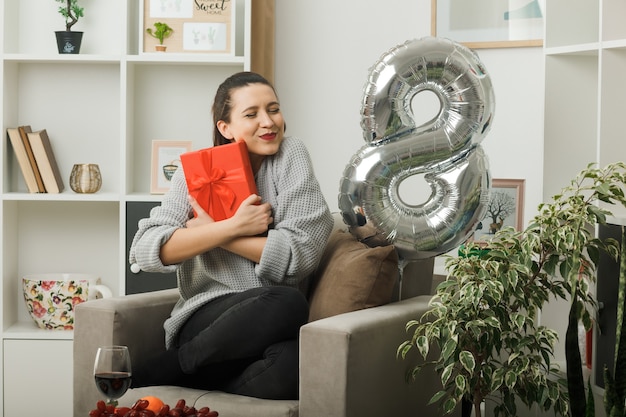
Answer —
160 32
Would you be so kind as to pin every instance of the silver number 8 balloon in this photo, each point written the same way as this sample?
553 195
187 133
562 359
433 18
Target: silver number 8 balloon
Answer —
445 150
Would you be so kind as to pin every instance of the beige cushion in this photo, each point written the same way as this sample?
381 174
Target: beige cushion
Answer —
352 276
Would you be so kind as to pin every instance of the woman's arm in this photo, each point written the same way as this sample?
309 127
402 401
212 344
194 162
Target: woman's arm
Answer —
236 234
250 247
302 220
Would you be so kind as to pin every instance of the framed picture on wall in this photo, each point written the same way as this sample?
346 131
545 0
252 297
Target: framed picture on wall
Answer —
489 23
205 26
165 161
505 208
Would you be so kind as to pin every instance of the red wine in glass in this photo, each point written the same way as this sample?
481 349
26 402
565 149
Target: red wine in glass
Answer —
113 384
112 372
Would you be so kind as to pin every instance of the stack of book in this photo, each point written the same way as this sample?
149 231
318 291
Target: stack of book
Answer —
36 159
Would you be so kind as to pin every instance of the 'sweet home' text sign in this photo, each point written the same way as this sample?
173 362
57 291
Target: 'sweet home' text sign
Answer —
205 26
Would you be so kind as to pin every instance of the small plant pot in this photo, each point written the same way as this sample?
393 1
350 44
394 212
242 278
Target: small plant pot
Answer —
68 42
160 48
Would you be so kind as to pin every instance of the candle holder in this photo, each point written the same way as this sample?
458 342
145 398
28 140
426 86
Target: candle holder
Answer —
85 178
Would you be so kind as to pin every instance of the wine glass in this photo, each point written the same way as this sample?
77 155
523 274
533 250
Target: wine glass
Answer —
112 372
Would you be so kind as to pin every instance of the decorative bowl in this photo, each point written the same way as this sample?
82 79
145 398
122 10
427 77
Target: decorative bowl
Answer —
50 298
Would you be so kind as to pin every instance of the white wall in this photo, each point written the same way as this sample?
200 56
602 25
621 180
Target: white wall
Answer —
324 49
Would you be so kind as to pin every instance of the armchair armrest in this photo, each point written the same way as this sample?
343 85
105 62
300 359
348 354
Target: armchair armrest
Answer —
348 365
129 320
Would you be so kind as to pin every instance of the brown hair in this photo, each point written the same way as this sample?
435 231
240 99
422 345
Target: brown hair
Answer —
222 105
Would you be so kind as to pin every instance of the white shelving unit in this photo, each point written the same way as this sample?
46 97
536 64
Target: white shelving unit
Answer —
585 60
103 106
585 63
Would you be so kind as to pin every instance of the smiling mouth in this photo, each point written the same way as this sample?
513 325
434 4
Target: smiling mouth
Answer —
268 136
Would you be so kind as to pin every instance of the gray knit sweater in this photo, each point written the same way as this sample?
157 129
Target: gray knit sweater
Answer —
295 243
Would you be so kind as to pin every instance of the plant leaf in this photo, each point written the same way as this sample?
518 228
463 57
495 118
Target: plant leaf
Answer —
438 396
467 360
422 345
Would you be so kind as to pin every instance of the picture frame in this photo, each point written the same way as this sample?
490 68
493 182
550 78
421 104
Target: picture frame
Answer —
489 23
199 26
165 161
505 208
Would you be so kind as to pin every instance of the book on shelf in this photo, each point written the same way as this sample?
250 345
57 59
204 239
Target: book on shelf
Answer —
44 156
22 159
219 178
24 131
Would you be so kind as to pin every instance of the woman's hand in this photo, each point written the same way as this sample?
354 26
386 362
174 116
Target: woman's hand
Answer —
202 217
238 234
253 217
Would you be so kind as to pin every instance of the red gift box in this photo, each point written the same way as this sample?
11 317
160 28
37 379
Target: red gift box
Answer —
219 178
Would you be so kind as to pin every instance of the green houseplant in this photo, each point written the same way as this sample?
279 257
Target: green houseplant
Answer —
69 41
483 318
615 379
160 32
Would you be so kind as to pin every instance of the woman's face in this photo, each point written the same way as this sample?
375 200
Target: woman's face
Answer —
256 119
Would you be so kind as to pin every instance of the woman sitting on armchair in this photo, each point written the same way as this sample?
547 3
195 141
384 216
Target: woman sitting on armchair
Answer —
241 280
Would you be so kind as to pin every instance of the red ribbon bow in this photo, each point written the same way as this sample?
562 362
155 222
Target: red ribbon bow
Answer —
213 187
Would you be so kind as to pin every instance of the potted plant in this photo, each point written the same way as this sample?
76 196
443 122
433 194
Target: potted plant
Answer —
68 41
604 186
160 32
483 318
615 378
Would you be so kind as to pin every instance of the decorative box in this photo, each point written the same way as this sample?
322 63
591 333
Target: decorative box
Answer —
219 178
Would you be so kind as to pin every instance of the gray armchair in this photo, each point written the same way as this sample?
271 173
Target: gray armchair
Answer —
348 363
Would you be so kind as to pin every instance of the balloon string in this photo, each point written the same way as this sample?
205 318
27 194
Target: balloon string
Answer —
402 263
